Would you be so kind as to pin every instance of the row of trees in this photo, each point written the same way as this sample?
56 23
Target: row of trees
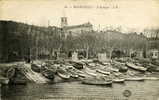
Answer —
23 40
108 41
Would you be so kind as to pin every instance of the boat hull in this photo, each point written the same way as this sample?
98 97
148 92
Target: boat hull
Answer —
91 82
134 79
133 66
119 80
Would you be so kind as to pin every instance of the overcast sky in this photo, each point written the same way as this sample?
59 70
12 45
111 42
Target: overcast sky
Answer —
129 14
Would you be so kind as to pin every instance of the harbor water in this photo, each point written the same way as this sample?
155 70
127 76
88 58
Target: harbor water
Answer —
130 90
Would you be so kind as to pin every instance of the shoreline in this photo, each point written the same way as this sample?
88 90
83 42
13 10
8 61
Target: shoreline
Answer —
91 68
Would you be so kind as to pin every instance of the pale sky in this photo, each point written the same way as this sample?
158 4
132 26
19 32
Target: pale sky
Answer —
129 14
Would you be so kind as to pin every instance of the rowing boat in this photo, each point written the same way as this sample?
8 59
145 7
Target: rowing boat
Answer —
63 73
140 68
135 79
103 72
118 80
96 82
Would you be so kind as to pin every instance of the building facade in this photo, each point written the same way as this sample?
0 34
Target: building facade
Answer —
75 30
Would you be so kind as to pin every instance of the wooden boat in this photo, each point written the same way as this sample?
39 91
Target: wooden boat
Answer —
72 73
90 72
4 80
103 72
82 75
36 67
133 66
151 78
77 65
48 74
63 73
114 69
135 79
153 68
123 68
96 82
117 74
118 80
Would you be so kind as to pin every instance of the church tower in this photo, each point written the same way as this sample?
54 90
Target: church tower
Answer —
64 21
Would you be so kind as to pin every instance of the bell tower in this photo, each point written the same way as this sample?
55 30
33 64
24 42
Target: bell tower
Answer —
64 21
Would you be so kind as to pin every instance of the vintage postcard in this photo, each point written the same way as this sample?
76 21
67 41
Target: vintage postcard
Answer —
79 49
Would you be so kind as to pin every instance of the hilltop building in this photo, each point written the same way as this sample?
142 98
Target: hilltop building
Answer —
75 30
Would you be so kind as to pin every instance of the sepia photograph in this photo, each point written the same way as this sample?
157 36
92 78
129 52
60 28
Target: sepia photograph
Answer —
79 49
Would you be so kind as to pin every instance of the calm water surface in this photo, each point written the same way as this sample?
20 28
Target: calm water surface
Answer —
147 90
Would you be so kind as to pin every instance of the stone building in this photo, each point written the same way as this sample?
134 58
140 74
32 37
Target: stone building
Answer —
75 30
151 33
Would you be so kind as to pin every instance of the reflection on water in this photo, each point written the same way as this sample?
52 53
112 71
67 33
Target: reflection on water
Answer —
147 90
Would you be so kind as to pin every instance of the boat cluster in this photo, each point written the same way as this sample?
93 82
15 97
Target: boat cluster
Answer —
93 72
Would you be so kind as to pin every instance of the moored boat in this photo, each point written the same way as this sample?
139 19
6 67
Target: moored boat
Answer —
151 78
77 65
90 72
153 68
133 66
123 68
48 74
103 72
72 73
135 79
96 82
63 73
118 80
4 80
82 75
36 67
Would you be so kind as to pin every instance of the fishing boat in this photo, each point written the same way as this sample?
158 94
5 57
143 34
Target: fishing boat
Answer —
118 80
4 80
36 67
96 82
48 74
153 68
123 68
82 75
76 64
135 79
151 78
72 73
103 72
63 73
90 72
133 66
114 69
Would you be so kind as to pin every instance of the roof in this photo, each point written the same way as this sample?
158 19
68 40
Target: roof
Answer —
79 26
